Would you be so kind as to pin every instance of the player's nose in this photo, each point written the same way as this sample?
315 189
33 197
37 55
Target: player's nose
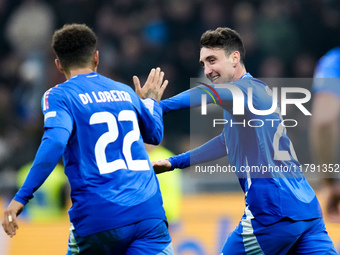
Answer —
208 71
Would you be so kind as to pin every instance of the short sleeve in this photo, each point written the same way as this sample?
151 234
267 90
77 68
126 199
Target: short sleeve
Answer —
55 110
327 73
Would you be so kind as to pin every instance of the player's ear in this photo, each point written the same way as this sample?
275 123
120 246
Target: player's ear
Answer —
96 58
58 65
235 58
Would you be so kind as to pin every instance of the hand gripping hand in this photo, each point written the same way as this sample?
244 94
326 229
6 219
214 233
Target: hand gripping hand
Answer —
161 166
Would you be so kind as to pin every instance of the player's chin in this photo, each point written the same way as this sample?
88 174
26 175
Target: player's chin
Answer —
215 81
219 80
222 81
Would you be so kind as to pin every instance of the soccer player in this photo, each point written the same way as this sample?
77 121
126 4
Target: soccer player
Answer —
282 213
100 126
325 127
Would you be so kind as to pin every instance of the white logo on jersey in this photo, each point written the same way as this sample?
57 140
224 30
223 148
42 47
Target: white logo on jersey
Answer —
50 114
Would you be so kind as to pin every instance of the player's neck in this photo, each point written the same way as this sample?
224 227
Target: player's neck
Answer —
78 71
239 72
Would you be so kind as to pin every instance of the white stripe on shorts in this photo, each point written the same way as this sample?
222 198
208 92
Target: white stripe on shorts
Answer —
167 251
72 245
252 247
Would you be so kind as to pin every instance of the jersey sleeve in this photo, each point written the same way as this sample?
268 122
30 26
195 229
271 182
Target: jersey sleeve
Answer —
193 98
327 73
50 150
56 113
211 150
151 121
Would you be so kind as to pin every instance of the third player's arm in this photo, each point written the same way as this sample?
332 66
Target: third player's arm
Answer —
325 128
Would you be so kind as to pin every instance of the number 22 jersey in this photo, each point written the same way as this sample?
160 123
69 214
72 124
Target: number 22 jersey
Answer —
112 180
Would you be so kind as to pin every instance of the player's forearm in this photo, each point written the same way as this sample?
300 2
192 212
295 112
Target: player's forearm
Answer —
324 135
153 130
193 98
211 150
177 102
51 148
324 140
186 99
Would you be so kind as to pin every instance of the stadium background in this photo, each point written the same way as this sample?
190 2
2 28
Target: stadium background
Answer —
282 39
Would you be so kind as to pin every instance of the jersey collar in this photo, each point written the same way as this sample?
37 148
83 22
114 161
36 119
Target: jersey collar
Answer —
246 75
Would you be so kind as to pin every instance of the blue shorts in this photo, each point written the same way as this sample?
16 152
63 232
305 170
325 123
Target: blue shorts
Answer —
284 237
142 238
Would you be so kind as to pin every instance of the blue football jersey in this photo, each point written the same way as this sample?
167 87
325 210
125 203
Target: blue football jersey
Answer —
112 180
259 149
327 73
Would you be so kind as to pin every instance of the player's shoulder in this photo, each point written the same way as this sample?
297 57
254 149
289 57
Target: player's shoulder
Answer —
54 93
117 85
53 90
333 53
332 57
124 87
327 66
252 82
261 93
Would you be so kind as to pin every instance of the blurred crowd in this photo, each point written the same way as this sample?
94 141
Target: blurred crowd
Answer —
282 39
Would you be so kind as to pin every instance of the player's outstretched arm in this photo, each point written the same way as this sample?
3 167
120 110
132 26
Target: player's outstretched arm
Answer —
161 166
154 86
211 150
10 222
51 148
193 98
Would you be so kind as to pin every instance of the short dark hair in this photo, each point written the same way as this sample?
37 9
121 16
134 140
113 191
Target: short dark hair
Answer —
74 45
224 38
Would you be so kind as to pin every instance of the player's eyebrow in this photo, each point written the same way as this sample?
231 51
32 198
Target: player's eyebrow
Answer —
206 59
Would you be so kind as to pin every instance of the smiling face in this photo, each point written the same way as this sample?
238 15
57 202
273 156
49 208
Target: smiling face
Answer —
218 67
